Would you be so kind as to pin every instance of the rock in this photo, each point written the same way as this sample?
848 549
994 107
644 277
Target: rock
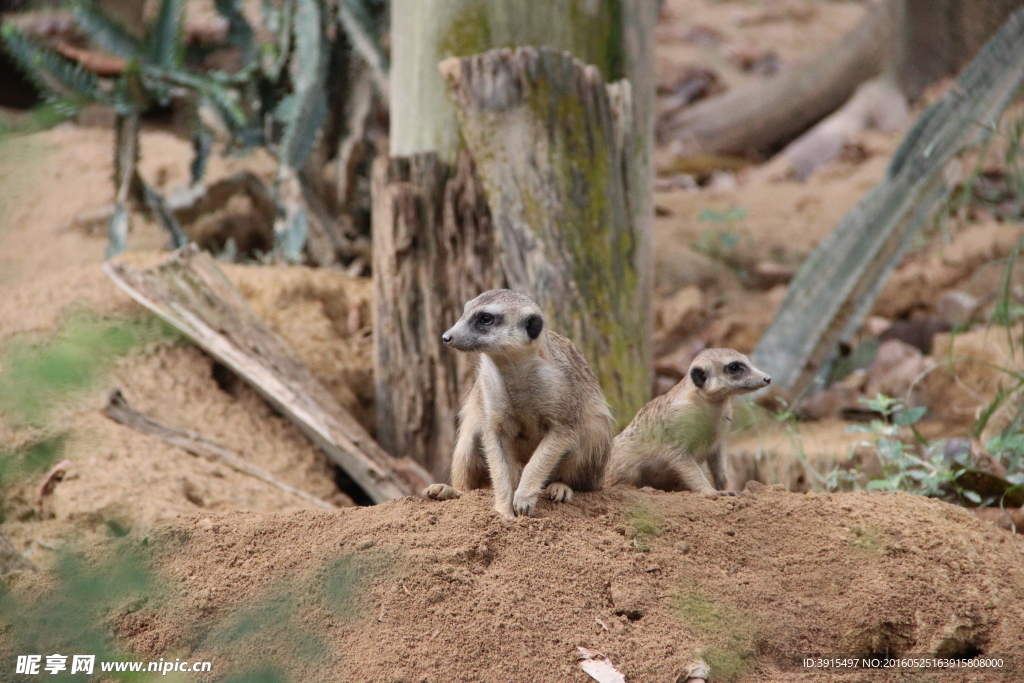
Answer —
918 332
895 367
972 371
957 309
696 672
919 282
681 313
828 402
876 325
768 274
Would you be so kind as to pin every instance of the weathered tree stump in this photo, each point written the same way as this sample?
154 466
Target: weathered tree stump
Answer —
429 176
432 251
551 142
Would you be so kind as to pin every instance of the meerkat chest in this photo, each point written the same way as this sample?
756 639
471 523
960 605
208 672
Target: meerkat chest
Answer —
520 400
692 428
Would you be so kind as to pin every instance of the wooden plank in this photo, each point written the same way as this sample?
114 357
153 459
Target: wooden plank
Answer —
191 293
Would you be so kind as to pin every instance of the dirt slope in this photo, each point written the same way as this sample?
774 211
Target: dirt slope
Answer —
421 591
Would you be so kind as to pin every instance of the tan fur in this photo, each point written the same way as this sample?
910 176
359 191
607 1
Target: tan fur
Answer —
535 420
672 435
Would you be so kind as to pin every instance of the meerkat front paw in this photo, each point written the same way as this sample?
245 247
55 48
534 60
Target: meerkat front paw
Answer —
505 510
559 492
441 492
524 503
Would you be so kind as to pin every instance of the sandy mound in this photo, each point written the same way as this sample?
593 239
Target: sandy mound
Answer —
421 591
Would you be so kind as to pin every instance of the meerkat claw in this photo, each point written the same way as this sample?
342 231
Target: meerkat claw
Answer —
441 492
525 504
559 492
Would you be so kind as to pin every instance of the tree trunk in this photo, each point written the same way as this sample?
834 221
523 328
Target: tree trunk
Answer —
937 38
434 247
551 139
432 251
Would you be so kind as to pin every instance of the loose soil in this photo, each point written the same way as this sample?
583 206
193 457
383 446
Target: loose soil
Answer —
415 590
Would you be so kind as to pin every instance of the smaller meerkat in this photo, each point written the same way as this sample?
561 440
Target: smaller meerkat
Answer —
673 434
535 420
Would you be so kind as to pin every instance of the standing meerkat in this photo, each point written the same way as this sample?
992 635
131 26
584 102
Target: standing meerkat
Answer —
535 420
668 439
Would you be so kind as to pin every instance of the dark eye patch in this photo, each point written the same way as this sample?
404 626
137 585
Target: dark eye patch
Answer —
735 368
486 319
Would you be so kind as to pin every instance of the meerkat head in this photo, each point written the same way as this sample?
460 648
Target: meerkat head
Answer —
721 373
498 322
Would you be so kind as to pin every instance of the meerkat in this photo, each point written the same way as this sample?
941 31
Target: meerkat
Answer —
673 434
535 420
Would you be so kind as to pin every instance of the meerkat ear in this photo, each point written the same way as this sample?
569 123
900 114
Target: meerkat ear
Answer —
534 324
699 377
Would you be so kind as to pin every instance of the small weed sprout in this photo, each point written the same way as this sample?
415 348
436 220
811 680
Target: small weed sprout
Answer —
644 524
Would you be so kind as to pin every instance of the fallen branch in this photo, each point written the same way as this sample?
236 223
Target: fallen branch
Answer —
118 410
191 293
762 114
878 103
837 285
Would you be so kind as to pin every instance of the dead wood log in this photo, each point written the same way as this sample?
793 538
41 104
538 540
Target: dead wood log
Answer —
190 292
551 142
877 103
758 116
837 285
118 410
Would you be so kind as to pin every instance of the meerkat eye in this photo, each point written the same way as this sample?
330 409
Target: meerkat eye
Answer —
485 319
735 368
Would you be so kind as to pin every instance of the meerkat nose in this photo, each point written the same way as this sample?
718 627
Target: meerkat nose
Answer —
767 379
447 339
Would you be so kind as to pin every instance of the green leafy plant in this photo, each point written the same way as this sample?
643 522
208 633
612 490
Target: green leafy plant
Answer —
903 468
278 99
68 615
35 377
